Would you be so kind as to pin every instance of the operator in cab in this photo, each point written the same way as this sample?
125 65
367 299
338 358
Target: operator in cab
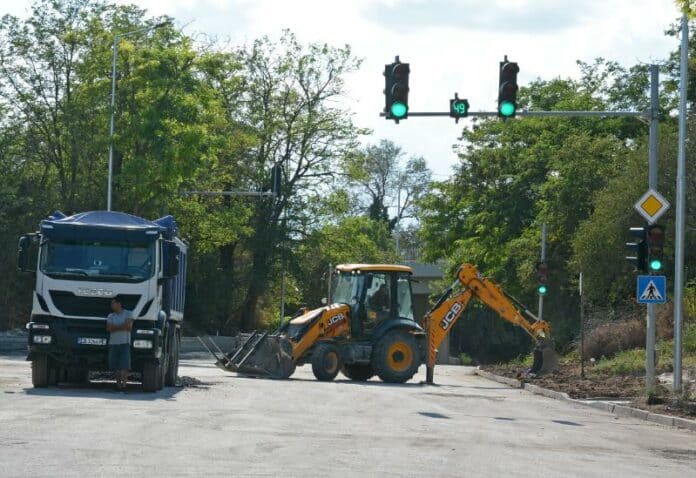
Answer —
119 324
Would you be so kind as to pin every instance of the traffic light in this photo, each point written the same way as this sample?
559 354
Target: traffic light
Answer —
655 241
396 90
542 271
458 108
507 89
638 249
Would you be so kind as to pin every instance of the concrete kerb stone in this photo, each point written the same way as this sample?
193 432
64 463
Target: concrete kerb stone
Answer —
618 410
510 382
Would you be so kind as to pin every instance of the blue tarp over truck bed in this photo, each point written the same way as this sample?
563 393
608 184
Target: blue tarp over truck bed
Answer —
107 225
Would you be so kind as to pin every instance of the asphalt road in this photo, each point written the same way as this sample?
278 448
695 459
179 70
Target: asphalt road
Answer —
233 426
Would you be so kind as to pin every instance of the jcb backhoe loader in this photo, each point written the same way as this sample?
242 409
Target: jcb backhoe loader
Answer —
369 329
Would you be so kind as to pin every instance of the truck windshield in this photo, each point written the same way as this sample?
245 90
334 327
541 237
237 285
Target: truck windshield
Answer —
98 261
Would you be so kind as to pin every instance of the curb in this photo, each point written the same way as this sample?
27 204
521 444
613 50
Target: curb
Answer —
618 410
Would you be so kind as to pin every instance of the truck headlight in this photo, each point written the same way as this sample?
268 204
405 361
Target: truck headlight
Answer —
142 344
36 325
42 339
145 331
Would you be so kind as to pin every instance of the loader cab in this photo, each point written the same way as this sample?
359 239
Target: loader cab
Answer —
375 293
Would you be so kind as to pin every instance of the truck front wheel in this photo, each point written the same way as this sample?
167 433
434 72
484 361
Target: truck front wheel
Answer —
152 376
40 371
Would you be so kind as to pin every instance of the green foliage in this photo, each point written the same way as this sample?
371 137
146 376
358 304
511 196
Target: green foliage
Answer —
464 359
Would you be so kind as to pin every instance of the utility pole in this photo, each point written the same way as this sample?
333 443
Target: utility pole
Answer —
543 260
652 185
681 207
582 330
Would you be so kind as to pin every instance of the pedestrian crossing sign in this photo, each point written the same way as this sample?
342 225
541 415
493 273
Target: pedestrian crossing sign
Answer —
651 290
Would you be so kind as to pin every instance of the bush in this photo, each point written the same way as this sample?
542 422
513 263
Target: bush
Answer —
606 340
464 359
689 338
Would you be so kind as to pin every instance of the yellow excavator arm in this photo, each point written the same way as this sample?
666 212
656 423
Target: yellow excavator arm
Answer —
449 308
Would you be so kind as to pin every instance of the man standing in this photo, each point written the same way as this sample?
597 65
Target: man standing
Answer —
119 324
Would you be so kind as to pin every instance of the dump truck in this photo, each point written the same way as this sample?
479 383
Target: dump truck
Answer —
80 263
369 328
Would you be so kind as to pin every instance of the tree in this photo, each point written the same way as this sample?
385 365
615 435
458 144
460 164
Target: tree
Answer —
381 178
287 103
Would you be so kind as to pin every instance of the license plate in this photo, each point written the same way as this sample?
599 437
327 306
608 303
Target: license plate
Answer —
91 341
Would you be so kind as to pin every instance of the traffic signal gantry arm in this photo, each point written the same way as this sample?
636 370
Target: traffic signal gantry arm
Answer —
449 308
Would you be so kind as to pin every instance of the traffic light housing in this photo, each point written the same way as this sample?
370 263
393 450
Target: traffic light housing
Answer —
459 108
542 272
507 89
655 241
638 249
396 90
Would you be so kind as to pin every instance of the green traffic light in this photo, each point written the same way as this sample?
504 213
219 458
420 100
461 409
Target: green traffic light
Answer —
655 264
398 110
507 108
542 289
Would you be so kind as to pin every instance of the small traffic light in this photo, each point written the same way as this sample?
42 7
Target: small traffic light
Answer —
655 241
396 90
458 108
542 271
638 249
507 89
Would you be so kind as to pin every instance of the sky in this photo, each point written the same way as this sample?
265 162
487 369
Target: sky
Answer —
451 45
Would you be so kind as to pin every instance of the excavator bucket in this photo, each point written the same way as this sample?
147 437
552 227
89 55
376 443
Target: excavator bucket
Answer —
260 354
546 359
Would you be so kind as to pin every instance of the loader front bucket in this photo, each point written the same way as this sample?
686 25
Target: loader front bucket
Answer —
546 359
260 355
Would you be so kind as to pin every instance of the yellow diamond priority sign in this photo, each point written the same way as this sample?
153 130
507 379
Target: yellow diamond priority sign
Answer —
652 205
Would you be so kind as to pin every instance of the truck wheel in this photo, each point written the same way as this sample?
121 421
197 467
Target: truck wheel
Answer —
152 376
326 362
358 372
40 371
173 362
396 358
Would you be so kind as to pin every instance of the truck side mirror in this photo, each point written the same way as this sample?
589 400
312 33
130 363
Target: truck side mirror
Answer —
24 253
170 259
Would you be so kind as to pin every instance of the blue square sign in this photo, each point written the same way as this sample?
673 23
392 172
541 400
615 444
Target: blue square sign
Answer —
651 290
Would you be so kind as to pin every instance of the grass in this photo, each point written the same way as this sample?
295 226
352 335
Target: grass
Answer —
464 359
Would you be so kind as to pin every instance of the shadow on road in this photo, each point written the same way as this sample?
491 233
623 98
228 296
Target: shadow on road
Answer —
106 390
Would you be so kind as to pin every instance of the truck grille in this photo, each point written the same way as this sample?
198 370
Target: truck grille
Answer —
70 304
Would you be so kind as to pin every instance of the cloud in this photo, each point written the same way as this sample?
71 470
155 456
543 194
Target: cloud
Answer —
496 15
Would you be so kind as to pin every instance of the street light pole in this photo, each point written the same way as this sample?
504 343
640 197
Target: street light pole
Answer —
117 38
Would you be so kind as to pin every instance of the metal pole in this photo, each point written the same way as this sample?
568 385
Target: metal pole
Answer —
111 129
582 330
543 259
652 184
397 226
681 206
491 114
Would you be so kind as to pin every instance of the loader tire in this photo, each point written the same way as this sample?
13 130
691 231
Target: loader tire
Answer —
40 371
326 362
358 372
396 357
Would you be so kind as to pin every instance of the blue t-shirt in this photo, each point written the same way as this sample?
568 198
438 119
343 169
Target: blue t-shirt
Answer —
121 336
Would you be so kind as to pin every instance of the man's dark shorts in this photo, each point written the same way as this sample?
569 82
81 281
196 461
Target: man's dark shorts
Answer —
119 357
